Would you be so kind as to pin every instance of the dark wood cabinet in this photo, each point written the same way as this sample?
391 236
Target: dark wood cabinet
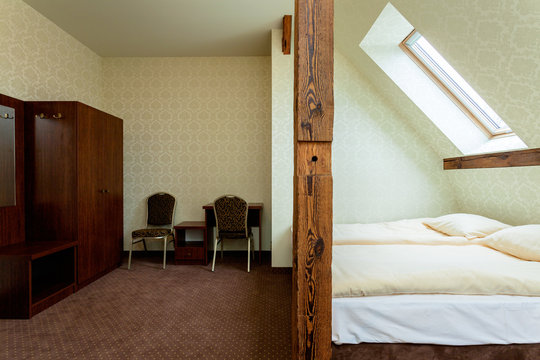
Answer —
35 275
74 182
192 252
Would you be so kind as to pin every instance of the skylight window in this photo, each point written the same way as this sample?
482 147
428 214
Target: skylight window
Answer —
444 75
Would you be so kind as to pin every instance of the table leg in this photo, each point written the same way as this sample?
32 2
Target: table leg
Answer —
260 235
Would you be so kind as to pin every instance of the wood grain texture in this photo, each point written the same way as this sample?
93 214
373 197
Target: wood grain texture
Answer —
51 179
286 39
14 287
12 220
530 157
100 191
314 68
75 182
312 215
35 275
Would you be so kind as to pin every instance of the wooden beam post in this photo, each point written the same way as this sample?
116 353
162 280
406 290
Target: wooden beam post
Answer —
312 223
529 157
286 39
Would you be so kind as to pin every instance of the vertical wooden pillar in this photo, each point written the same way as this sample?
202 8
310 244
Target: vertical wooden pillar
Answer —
312 223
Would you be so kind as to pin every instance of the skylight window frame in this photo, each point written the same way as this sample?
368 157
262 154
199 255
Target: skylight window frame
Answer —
491 134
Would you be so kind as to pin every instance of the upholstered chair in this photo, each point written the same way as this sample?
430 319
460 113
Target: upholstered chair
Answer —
231 214
159 223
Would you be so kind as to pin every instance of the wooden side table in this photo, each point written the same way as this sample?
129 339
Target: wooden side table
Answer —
190 252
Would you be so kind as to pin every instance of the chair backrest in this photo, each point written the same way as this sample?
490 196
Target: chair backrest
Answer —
231 214
160 210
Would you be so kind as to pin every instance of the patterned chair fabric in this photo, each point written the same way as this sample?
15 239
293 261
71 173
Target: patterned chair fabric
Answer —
146 233
231 216
159 224
160 209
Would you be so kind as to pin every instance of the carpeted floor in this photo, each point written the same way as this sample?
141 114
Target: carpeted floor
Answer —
183 312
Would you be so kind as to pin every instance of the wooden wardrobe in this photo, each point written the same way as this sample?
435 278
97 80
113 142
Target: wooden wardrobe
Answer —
74 182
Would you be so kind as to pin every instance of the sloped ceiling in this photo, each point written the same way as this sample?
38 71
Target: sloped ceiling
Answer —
495 45
160 28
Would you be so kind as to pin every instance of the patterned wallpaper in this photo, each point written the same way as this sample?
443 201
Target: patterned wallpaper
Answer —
382 169
495 45
39 61
195 127
387 154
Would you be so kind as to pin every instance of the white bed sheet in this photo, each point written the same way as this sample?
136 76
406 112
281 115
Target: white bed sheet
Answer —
436 319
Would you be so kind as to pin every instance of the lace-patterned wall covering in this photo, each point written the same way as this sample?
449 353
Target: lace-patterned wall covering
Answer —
495 46
383 170
39 61
196 128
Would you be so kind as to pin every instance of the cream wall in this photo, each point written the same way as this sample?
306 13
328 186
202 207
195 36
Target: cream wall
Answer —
495 46
282 153
39 61
382 169
195 127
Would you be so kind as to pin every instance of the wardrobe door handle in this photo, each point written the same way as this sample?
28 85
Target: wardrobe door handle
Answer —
103 191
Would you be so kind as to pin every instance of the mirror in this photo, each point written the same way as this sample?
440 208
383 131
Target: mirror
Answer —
7 156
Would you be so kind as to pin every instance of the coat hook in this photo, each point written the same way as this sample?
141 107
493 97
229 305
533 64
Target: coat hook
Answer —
57 116
6 116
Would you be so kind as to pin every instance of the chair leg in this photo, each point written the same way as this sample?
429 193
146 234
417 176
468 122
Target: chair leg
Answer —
249 251
215 249
164 252
129 258
144 243
253 248
222 249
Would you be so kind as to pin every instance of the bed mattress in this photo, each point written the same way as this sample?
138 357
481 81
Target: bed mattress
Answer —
436 319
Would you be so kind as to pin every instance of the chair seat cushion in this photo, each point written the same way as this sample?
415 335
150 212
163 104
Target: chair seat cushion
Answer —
148 233
233 234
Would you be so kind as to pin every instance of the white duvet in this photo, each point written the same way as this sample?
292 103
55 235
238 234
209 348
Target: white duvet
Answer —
410 231
369 270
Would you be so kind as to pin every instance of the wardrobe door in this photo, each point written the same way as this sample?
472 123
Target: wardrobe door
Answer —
90 155
112 182
100 193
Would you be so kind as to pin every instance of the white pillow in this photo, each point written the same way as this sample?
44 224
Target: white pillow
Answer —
521 241
468 225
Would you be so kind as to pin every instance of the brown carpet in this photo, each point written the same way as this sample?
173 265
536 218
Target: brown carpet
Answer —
183 312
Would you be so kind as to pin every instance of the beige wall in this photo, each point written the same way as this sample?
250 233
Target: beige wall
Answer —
39 61
195 127
382 170
494 45
282 153
387 154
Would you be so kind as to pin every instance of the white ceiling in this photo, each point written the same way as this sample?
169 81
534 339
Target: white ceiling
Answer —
169 27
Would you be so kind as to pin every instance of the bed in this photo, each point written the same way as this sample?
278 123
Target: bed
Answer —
406 282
